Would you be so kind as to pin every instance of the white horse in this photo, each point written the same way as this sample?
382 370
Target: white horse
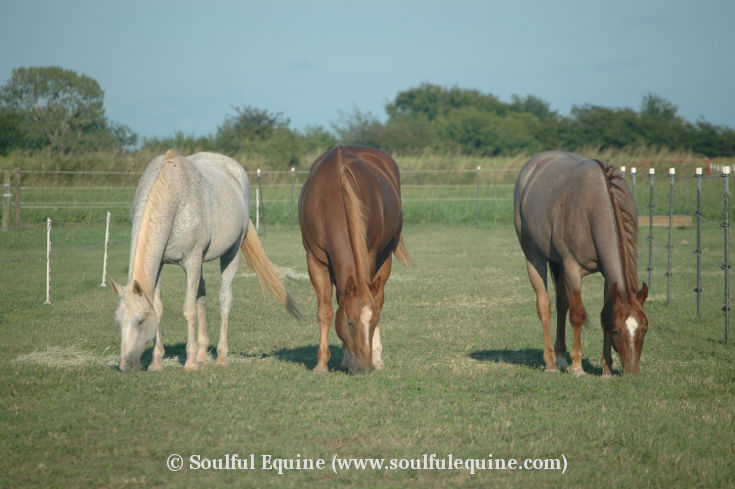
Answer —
187 210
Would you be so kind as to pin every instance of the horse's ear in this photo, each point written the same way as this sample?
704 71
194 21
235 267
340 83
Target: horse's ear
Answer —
137 289
116 288
375 286
643 293
350 287
614 294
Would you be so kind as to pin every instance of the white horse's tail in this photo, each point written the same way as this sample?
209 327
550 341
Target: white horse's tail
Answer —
266 271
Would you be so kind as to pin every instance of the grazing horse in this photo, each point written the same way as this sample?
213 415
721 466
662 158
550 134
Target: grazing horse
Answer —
578 216
351 220
187 210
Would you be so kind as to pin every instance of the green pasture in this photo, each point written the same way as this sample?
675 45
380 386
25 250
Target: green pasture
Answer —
464 375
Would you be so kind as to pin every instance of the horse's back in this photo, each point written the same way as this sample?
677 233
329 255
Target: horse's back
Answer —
321 204
556 197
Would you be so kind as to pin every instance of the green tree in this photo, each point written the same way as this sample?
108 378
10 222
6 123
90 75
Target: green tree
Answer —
65 109
248 124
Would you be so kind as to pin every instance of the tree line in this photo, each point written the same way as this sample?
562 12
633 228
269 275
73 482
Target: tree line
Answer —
58 109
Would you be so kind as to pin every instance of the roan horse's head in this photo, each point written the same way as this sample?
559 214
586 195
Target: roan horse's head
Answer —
355 323
137 321
626 327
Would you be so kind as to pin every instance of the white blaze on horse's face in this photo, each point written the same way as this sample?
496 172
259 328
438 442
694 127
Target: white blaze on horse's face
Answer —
137 321
355 324
628 337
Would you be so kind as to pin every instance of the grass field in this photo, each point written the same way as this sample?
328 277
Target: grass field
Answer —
464 376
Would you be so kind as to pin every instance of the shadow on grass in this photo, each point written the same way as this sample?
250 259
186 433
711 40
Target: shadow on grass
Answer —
306 355
529 357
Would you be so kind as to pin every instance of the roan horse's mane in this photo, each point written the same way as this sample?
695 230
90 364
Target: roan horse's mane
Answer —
356 217
626 223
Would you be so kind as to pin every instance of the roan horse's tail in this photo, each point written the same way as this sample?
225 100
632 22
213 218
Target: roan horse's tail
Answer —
266 271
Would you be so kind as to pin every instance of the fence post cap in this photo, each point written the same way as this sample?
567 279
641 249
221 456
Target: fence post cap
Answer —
698 171
258 171
622 168
672 171
726 170
633 170
478 168
651 171
293 169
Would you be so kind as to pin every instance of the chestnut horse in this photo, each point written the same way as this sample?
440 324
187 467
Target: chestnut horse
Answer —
578 216
351 220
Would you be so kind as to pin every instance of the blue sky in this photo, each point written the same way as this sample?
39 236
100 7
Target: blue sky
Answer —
169 66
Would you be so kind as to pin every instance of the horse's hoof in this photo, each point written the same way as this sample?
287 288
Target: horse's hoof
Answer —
191 367
155 367
551 370
319 370
222 362
578 373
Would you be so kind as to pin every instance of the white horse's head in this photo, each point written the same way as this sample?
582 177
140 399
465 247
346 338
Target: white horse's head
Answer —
137 321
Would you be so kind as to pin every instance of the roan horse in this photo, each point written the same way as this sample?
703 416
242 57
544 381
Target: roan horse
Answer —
187 210
351 221
578 215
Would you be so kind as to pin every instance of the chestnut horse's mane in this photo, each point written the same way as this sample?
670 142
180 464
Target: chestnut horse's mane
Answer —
626 223
356 218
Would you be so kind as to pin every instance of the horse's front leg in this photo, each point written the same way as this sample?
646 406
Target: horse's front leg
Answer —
379 296
606 359
202 336
158 351
319 275
193 269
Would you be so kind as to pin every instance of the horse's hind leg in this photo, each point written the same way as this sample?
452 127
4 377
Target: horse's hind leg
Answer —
537 275
228 267
319 275
562 306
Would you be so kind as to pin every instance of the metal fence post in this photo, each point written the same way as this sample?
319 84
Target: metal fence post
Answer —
48 261
107 242
726 265
633 173
293 186
651 174
477 200
698 251
672 174
259 204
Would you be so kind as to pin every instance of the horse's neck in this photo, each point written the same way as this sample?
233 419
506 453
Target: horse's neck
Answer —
152 231
612 263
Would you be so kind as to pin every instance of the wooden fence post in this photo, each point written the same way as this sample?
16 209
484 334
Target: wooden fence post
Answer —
6 200
16 193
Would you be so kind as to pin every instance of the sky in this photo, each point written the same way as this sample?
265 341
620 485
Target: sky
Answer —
168 66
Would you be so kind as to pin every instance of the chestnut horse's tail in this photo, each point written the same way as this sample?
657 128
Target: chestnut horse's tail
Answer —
402 253
266 271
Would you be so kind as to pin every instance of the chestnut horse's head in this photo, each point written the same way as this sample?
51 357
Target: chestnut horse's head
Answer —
137 321
626 327
357 317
